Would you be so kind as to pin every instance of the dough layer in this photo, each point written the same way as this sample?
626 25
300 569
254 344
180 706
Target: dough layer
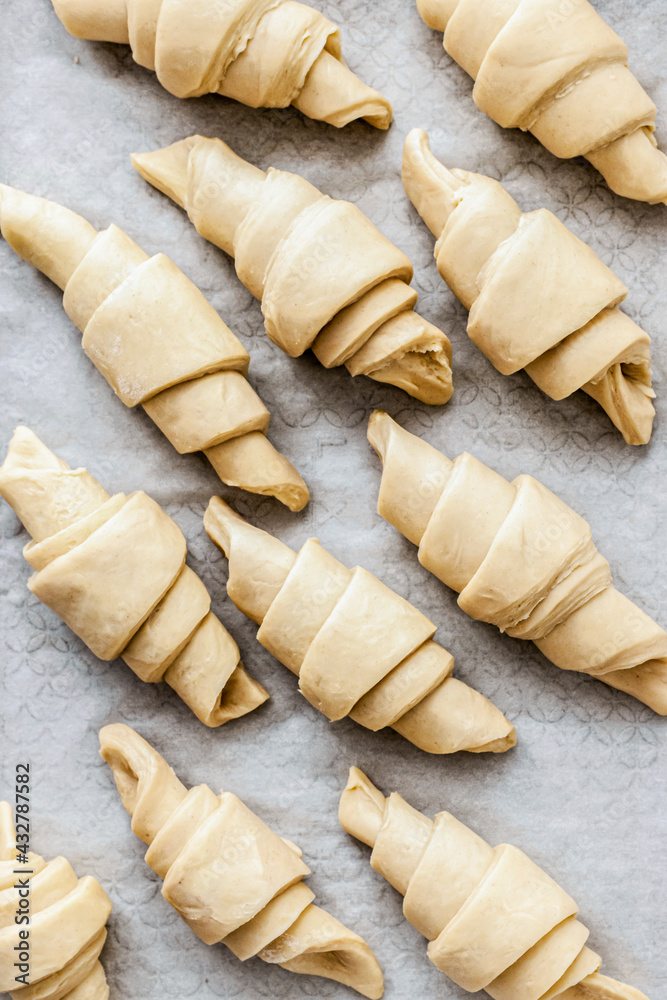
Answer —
326 277
67 928
113 568
263 53
539 298
357 648
157 341
493 918
559 71
228 875
519 558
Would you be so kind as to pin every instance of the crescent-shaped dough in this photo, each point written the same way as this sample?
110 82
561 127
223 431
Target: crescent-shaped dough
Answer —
326 277
113 568
519 558
358 648
157 341
494 920
539 298
66 929
228 875
263 53
556 69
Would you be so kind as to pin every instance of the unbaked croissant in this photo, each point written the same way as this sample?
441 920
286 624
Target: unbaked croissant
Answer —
263 53
494 919
66 928
228 875
357 647
113 568
326 277
520 559
157 341
556 69
539 298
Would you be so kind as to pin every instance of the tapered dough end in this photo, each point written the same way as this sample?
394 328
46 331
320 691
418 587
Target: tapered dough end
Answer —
253 464
167 169
634 167
456 717
429 185
597 987
361 808
319 945
332 93
436 13
647 683
49 236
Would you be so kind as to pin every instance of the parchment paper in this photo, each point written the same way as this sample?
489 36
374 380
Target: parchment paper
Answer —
584 791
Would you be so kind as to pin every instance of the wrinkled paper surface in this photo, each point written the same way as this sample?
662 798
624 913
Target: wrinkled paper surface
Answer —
584 791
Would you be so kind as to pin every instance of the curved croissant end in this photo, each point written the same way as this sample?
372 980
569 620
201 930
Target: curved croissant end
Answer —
560 72
263 53
357 648
147 606
494 920
539 298
229 876
67 926
559 592
180 362
288 239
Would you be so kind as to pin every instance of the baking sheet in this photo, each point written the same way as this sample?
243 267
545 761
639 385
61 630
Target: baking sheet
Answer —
584 791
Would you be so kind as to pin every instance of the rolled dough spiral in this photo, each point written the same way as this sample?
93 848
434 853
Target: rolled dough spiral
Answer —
494 920
227 875
556 69
520 559
156 340
113 568
326 277
263 53
357 647
67 927
539 298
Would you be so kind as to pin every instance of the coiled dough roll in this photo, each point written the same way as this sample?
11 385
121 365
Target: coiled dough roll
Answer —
113 568
494 920
539 298
326 277
263 53
357 648
556 69
228 875
67 927
520 559
158 342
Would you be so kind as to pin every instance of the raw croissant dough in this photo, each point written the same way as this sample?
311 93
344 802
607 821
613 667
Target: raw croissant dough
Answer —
157 341
520 559
263 53
67 925
113 568
229 876
494 920
326 277
556 69
357 648
539 298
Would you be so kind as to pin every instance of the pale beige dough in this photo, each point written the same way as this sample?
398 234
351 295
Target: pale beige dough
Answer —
157 341
327 279
358 648
539 298
519 558
263 53
494 920
113 568
228 875
556 69
67 927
